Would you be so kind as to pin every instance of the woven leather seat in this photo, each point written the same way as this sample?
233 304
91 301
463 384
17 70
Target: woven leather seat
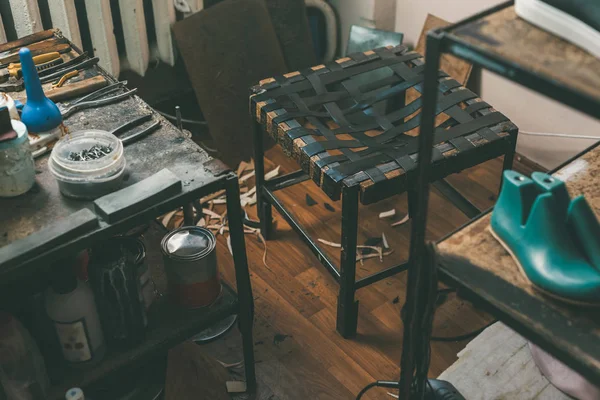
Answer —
334 121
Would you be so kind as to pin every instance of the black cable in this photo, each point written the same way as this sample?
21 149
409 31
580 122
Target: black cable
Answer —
465 336
462 337
385 384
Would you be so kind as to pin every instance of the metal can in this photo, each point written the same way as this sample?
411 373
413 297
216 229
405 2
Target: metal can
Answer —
191 266
114 272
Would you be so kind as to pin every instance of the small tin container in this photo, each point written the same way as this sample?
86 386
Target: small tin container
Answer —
191 266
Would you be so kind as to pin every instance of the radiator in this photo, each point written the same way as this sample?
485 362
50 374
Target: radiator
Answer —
117 31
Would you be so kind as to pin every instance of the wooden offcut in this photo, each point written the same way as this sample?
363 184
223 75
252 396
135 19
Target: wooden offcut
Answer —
455 67
227 48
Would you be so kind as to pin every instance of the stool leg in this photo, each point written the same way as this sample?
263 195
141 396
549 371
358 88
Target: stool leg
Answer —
347 311
263 208
242 278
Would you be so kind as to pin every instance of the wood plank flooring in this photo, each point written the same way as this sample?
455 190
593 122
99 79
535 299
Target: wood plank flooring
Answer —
299 353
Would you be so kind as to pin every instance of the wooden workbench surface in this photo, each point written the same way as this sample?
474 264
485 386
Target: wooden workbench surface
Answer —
493 275
506 35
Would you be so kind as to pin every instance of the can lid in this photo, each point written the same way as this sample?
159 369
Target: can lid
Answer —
188 242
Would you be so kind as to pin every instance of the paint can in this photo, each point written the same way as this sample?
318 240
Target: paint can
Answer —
191 265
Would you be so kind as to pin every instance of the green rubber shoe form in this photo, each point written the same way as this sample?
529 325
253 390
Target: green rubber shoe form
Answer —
554 240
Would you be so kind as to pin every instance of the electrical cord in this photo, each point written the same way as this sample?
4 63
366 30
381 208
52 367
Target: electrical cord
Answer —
385 384
462 337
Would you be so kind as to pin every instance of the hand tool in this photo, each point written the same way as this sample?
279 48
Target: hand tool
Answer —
65 78
81 66
12 85
76 89
136 136
24 41
80 58
90 100
38 49
41 62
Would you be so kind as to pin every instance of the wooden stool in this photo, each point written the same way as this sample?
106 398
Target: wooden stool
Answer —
348 126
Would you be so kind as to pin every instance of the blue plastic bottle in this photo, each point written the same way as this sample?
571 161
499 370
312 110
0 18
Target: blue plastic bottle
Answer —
40 114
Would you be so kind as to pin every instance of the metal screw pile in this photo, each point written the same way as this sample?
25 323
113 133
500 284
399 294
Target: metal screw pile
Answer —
94 153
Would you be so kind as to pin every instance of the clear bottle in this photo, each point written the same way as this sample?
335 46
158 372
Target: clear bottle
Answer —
22 369
71 307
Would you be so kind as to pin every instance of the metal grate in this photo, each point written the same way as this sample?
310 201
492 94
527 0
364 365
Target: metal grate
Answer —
125 34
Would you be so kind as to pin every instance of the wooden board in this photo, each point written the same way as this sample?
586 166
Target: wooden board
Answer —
455 67
506 35
497 364
491 270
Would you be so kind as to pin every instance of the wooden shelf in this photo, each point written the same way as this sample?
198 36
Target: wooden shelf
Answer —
168 326
474 260
504 43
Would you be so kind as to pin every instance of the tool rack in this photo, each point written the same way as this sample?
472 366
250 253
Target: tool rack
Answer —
44 206
469 258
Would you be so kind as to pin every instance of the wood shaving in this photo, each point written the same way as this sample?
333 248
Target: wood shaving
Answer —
387 214
248 201
384 241
331 244
201 222
242 167
229 247
167 218
246 177
219 201
372 255
402 221
264 242
215 195
272 174
211 213
233 365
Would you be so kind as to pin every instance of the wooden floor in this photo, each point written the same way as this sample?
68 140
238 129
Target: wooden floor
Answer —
299 353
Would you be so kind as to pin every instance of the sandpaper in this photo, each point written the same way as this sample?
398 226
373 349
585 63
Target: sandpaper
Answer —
227 49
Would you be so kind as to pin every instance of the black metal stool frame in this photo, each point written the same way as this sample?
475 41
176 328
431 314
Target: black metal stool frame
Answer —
347 309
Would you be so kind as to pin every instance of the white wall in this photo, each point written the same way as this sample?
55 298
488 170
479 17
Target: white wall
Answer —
530 111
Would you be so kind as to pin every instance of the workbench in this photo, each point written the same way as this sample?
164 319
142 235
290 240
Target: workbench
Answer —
475 261
44 206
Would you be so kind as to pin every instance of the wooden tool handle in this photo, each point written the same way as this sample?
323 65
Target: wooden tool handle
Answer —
77 89
24 41
36 50
41 59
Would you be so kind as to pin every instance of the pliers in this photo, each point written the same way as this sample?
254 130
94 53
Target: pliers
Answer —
138 135
90 101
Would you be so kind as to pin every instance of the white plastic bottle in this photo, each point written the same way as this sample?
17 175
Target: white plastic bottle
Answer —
74 394
71 307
